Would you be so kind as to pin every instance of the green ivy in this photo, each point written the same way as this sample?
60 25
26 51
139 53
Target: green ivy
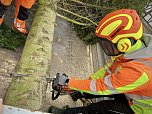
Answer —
9 38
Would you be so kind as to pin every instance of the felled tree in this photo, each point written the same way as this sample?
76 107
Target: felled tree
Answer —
29 91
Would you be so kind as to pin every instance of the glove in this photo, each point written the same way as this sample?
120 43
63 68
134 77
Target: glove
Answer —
62 79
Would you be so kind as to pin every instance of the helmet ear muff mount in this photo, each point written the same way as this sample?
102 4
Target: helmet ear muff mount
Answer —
125 44
122 29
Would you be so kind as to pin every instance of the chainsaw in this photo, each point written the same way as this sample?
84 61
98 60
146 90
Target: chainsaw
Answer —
57 89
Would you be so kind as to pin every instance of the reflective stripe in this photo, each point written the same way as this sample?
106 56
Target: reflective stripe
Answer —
106 92
17 24
137 97
85 91
115 112
99 74
109 85
147 63
15 21
117 69
94 91
142 100
93 86
107 81
142 104
140 81
111 90
20 29
107 69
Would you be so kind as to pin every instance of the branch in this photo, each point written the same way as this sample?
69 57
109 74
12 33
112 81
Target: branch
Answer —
91 5
72 21
78 15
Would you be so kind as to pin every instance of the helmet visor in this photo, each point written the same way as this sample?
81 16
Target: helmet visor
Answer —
108 47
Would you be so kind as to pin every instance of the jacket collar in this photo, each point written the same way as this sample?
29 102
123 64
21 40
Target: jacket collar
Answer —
144 52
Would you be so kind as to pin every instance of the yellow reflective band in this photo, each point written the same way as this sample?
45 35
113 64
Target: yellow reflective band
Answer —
135 35
85 91
144 102
130 22
142 80
106 92
99 74
110 28
138 97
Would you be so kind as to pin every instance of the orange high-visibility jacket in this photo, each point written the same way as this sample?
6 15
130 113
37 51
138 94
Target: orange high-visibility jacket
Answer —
130 74
25 3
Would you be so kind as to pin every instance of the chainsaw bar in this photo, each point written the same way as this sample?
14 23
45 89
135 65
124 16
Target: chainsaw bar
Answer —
13 74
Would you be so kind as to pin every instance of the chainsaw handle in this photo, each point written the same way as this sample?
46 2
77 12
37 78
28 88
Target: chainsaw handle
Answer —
57 89
54 97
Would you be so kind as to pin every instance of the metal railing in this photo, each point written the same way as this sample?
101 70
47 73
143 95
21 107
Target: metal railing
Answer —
148 14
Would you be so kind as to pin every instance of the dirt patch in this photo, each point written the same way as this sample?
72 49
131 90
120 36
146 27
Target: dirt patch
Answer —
8 59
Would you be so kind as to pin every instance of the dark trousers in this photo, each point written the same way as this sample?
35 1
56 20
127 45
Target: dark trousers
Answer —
117 106
22 14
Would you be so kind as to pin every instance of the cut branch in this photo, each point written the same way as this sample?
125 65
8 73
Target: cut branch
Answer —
78 15
91 5
73 21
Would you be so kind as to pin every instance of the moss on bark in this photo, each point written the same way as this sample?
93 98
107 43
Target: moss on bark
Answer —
29 91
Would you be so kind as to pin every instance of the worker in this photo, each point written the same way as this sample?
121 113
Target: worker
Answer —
21 13
121 34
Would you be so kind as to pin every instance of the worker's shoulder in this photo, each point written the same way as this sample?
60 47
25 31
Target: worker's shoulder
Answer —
147 37
137 64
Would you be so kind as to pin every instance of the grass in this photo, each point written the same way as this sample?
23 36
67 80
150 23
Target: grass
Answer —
9 38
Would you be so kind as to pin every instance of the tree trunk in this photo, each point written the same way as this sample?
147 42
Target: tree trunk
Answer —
29 91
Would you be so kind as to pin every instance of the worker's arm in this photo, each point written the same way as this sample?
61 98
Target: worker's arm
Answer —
126 80
1 105
99 74
102 71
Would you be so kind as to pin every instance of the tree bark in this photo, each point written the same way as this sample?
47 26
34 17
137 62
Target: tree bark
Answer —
29 91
